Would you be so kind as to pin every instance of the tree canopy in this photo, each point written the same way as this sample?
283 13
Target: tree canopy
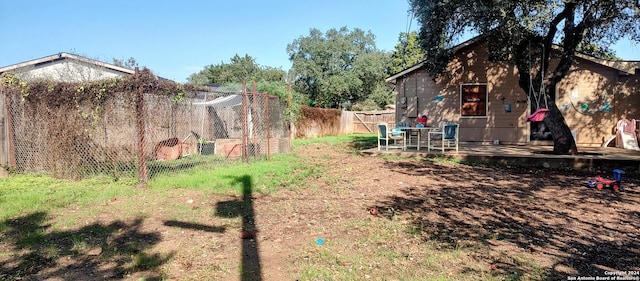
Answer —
237 70
407 52
129 63
513 26
340 69
597 51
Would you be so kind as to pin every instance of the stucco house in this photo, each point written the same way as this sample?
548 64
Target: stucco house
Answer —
484 97
65 67
61 67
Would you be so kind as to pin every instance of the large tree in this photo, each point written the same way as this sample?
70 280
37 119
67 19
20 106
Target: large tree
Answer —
598 51
237 70
514 27
340 68
407 52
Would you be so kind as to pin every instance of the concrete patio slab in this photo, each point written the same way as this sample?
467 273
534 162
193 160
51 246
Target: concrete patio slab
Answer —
589 158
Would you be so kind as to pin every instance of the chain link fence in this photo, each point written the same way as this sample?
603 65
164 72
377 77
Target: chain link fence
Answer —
141 136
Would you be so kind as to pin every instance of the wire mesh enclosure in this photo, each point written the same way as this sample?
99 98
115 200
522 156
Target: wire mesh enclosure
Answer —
141 134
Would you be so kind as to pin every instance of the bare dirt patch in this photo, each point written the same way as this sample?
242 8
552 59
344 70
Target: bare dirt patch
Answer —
379 219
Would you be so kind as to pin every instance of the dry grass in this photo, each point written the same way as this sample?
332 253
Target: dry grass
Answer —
379 218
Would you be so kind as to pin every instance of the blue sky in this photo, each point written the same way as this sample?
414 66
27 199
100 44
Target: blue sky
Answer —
177 38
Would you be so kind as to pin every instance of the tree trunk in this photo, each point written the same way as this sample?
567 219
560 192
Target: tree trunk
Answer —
563 142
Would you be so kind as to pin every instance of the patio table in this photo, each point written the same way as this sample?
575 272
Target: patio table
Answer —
419 130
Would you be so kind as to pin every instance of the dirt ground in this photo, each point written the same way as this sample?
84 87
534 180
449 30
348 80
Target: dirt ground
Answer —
379 219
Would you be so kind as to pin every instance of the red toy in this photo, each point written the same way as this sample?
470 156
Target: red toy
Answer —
600 182
422 120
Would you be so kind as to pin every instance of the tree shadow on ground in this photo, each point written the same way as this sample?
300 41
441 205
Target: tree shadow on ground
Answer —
194 226
93 252
362 142
518 216
251 268
192 162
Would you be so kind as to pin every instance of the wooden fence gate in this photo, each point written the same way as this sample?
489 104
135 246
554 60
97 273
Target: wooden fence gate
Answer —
367 121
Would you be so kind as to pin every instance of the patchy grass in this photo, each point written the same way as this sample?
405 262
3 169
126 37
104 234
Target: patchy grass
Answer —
38 193
281 171
379 248
381 218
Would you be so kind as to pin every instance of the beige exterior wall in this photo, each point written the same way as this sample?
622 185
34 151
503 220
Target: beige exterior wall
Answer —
418 94
628 98
586 98
440 100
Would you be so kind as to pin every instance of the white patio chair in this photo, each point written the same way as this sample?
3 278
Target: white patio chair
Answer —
446 137
394 134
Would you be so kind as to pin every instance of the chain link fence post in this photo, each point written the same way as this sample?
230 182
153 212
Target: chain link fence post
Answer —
140 128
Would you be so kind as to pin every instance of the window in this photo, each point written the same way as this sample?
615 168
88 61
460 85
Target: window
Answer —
473 100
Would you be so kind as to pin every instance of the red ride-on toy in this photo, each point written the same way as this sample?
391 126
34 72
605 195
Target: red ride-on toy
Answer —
600 182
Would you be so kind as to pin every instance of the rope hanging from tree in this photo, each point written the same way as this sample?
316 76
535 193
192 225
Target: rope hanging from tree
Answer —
540 112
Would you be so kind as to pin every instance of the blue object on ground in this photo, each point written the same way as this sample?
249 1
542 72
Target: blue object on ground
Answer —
319 241
617 174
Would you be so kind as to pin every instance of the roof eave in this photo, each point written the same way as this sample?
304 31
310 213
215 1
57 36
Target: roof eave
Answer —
454 49
392 79
100 63
66 55
624 67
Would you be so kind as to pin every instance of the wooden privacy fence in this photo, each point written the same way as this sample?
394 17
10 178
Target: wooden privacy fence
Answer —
317 122
367 121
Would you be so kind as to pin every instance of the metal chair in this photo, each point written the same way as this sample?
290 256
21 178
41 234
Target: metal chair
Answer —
394 134
444 138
